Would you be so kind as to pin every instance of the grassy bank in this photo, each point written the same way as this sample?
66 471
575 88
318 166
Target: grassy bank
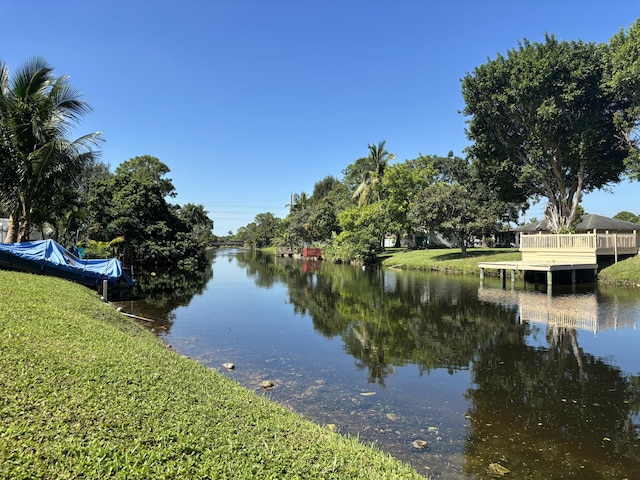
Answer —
86 393
447 260
623 273
626 273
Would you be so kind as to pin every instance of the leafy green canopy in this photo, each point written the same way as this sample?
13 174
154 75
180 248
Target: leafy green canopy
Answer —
624 80
37 159
132 204
313 218
543 125
455 211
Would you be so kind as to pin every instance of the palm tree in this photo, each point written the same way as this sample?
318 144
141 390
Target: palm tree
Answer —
298 202
98 249
371 177
37 111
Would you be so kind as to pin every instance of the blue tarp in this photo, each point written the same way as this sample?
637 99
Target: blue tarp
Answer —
49 257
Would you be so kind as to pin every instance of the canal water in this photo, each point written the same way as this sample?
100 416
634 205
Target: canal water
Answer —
544 384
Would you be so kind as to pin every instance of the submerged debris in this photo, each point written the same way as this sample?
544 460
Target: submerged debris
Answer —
420 444
267 384
497 469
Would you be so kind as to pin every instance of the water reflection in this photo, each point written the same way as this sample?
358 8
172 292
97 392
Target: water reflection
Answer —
385 319
484 375
159 294
556 411
581 311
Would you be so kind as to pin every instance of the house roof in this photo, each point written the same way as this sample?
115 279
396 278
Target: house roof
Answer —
587 223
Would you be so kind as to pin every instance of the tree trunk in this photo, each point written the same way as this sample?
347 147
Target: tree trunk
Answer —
562 212
555 220
23 229
12 232
560 217
23 232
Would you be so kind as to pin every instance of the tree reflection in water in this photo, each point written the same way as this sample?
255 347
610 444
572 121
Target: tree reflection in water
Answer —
158 294
554 412
543 408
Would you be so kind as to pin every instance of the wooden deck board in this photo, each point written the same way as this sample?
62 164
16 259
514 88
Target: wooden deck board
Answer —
537 266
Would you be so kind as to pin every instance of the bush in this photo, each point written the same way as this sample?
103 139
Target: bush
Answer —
353 247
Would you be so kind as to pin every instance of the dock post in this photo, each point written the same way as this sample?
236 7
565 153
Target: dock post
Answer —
549 277
482 277
513 276
573 277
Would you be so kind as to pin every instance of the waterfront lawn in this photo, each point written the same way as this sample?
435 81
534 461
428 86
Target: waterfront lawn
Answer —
449 259
86 393
623 273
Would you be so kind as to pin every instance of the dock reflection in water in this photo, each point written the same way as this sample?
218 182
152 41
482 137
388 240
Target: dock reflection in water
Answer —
566 410
579 311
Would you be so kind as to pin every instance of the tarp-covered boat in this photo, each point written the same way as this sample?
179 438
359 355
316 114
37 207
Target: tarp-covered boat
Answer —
50 258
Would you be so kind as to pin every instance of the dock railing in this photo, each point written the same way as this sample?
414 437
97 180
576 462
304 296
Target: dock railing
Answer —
584 241
600 243
617 240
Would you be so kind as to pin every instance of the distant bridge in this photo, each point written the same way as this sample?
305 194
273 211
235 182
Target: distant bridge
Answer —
228 243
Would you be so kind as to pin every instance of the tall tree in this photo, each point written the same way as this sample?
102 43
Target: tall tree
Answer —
315 218
402 183
267 225
363 228
133 204
197 222
543 125
461 171
453 210
371 174
150 170
37 160
299 201
623 77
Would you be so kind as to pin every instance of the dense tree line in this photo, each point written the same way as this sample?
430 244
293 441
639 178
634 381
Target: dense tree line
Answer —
548 121
351 217
59 184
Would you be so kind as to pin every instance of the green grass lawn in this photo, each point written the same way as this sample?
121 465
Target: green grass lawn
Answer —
86 393
626 272
623 273
448 260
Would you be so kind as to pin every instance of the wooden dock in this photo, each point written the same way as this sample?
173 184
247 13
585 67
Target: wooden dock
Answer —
571 252
548 267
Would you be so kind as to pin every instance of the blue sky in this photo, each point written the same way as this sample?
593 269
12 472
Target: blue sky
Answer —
248 101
